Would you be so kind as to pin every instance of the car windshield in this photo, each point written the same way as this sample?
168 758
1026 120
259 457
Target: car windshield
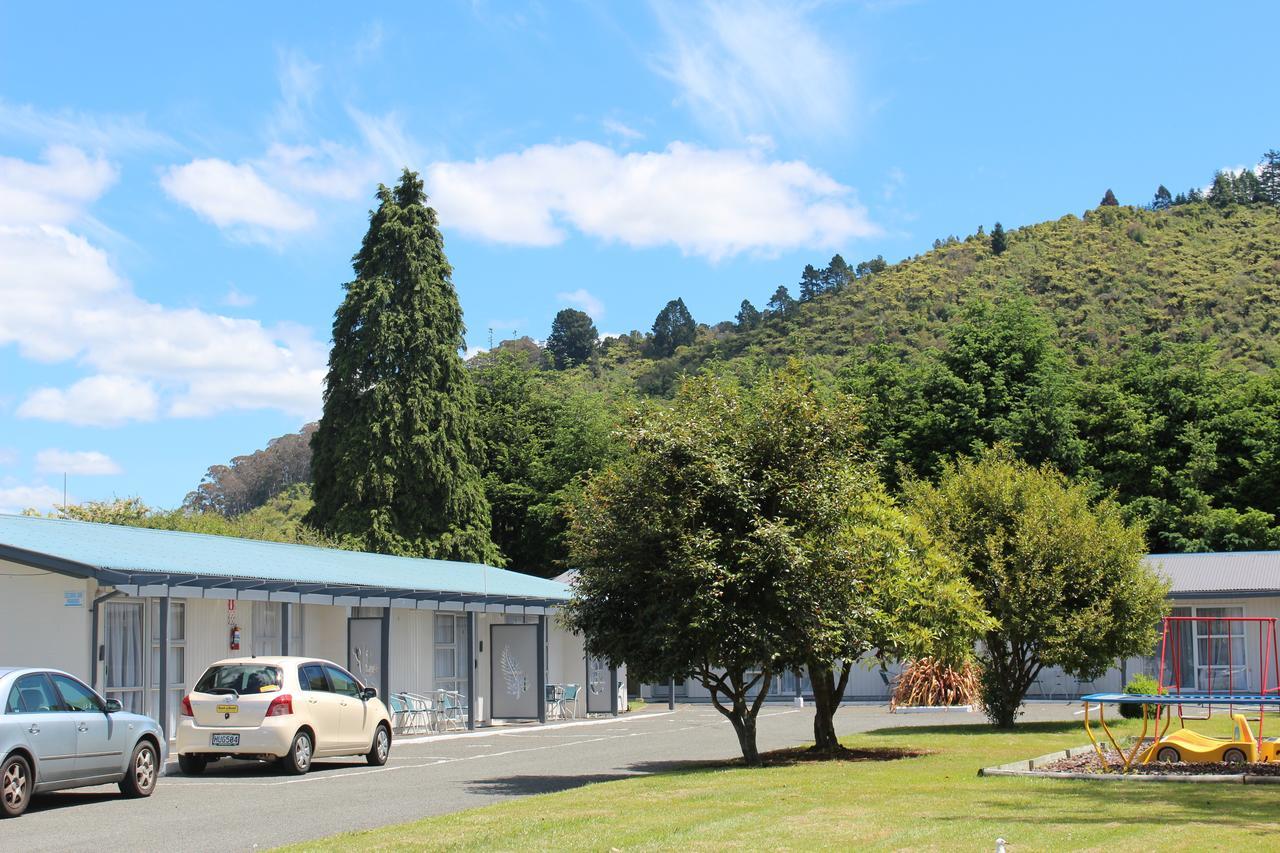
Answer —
243 678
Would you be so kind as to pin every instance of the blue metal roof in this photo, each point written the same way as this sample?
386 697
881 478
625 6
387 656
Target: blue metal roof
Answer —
118 554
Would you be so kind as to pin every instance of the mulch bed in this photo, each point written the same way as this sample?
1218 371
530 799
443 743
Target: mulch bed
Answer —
1088 763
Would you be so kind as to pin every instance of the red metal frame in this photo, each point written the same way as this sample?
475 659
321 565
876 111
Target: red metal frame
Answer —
1268 673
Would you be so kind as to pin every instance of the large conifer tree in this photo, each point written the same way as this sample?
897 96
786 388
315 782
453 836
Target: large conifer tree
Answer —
396 457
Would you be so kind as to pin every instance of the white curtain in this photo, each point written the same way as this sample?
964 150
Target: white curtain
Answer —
124 654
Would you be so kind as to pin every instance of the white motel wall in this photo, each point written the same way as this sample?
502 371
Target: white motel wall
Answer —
88 599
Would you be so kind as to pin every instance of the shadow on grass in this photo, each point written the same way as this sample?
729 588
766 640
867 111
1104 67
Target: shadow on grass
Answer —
781 758
979 728
519 786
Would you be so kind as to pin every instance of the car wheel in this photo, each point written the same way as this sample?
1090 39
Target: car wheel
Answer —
144 769
16 781
192 765
1234 756
381 749
298 761
1168 755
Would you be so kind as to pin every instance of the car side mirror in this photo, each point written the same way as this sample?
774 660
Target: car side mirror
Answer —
111 706
369 693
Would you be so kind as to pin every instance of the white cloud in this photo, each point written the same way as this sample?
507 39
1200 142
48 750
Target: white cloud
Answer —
754 65
103 400
14 498
54 191
233 298
84 463
584 300
299 80
64 302
713 203
8 456
94 131
236 198
617 128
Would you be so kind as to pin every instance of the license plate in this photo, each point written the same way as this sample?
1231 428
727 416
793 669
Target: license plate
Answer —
225 740
228 709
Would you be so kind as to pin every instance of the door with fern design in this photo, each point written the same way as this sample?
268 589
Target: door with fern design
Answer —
514 672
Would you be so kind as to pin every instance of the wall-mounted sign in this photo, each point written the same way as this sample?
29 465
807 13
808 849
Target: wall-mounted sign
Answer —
73 599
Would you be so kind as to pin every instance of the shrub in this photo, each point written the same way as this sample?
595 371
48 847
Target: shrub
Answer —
928 682
1140 685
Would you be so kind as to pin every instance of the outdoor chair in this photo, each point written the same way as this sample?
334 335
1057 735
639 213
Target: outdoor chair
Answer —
451 709
422 712
555 701
569 694
400 714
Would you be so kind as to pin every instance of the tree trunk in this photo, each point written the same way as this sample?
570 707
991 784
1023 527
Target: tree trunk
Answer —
827 691
1007 674
734 686
745 726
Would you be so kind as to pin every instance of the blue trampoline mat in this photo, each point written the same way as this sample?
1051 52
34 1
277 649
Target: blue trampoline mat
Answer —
1185 698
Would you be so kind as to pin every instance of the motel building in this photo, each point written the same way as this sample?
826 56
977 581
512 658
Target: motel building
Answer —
1211 654
139 614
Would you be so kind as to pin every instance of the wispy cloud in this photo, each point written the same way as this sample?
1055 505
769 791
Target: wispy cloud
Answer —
16 497
583 299
114 134
754 66
236 198
621 130
83 463
707 202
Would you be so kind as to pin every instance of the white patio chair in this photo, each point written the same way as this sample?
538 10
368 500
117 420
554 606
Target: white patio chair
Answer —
422 712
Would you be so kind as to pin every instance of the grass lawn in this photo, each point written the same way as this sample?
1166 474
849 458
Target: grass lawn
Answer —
935 801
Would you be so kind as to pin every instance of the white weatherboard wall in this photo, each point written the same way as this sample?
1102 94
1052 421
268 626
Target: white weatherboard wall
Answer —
39 624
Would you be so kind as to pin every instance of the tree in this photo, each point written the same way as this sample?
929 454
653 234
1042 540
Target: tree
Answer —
866 268
1062 576
836 275
1162 200
998 240
572 339
250 481
1222 192
1109 200
395 457
672 328
781 304
746 532
1269 177
811 283
748 316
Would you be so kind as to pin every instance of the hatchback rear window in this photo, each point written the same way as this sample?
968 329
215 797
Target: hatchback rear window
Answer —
243 678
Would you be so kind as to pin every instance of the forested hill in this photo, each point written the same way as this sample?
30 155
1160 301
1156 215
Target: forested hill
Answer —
1191 272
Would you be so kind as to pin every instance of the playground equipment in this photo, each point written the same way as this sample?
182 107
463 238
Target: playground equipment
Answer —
1212 651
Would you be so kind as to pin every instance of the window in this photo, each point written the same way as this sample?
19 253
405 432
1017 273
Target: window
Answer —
1220 650
311 677
123 668
243 678
177 674
450 671
268 618
343 683
75 696
32 694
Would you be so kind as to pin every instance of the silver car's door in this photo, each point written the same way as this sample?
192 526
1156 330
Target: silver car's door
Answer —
51 734
100 741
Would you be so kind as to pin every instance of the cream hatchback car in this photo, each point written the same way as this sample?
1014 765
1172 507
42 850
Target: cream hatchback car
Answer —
286 709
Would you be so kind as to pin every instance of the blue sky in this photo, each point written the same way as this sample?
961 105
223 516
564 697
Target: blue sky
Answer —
181 192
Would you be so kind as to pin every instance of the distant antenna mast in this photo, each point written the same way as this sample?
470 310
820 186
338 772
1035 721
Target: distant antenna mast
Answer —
491 337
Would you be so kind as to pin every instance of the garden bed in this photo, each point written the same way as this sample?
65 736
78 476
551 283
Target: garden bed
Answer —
1082 763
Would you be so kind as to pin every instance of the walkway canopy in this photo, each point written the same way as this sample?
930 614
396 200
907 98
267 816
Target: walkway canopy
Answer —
141 561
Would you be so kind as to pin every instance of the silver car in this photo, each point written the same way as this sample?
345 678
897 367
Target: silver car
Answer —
57 733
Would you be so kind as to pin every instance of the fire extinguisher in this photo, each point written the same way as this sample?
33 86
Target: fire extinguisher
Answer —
235 638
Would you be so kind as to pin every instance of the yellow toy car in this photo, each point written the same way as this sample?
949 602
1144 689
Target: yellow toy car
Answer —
1195 748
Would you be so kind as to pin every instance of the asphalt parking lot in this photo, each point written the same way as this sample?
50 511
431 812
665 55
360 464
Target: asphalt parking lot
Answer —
240 806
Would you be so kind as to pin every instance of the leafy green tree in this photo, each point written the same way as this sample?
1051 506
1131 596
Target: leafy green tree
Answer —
673 328
1223 192
1109 200
870 267
748 315
543 432
999 242
781 304
744 533
1162 200
1062 576
573 338
837 274
395 457
1001 378
1269 177
811 283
